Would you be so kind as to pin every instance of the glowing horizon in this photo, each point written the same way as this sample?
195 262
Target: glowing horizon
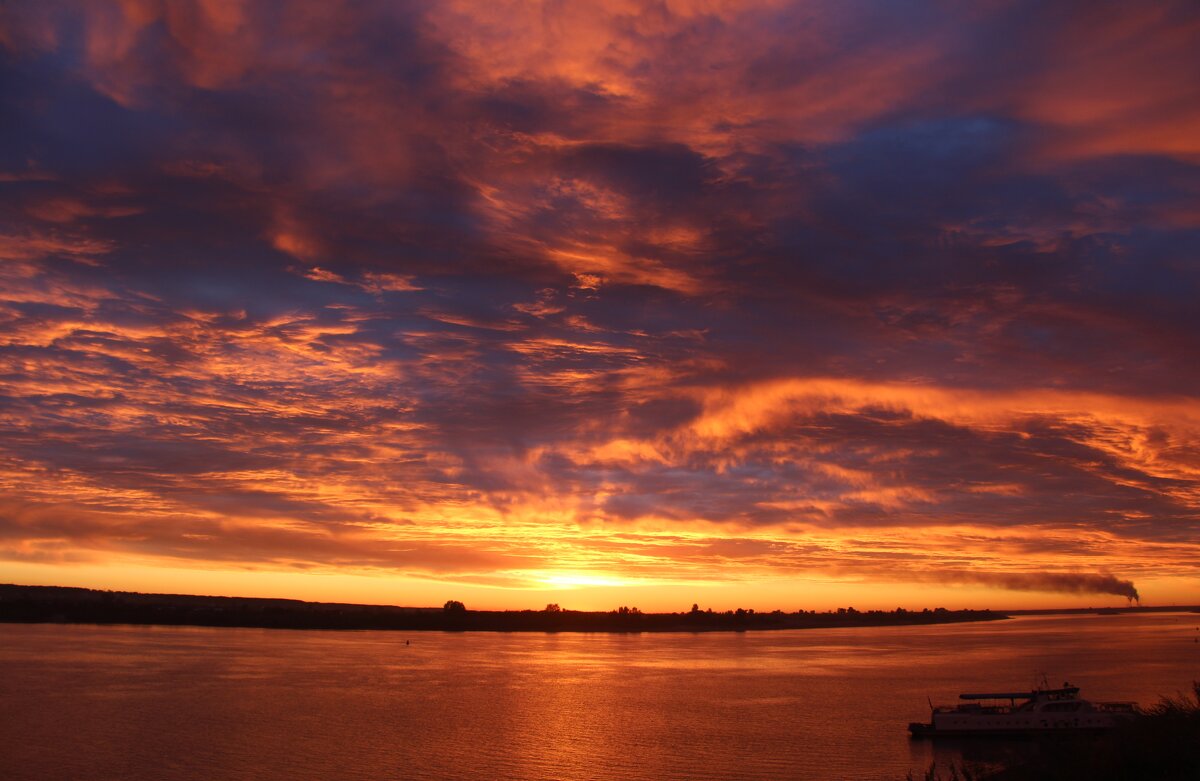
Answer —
764 304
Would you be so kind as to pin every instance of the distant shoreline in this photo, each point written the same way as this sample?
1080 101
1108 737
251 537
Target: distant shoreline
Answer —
65 605
68 605
1068 611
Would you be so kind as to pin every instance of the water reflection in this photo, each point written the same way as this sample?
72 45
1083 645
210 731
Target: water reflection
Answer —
190 703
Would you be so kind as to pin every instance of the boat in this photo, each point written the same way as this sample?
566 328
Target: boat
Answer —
1041 711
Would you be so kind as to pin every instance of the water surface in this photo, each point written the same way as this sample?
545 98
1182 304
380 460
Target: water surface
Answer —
171 703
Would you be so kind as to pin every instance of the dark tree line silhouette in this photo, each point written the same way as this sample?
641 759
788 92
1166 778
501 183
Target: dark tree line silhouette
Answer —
75 605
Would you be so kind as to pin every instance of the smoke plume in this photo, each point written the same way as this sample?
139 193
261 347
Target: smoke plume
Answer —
1061 582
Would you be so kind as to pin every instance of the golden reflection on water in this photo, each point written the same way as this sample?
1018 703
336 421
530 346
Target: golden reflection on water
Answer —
191 703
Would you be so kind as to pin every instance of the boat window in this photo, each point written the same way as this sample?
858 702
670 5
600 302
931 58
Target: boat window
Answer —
1117 707
1063 707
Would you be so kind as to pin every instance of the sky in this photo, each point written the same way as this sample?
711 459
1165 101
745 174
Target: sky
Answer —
777 305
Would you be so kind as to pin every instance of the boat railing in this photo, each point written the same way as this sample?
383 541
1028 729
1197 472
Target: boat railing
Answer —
973 708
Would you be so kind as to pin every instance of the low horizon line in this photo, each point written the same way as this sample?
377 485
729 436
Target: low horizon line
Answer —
1139 606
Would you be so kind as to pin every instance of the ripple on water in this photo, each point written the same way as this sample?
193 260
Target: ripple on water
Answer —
176 704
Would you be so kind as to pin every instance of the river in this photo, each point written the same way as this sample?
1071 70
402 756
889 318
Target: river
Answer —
173 703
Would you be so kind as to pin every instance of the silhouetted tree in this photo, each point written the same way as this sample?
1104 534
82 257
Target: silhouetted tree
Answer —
454 607
553 608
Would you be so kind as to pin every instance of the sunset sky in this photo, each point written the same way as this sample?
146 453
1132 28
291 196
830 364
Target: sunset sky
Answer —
762 304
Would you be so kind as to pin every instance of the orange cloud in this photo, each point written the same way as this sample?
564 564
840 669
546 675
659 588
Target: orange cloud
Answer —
1120 80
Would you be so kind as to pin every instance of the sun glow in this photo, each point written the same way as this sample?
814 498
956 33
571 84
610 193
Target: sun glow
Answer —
575 580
